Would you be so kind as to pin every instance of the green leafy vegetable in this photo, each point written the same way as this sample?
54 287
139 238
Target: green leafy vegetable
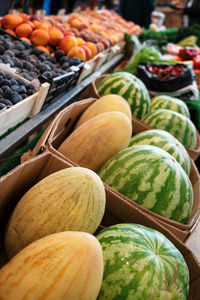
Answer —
146 54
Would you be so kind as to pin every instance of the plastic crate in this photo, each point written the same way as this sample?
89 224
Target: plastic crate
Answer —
63 83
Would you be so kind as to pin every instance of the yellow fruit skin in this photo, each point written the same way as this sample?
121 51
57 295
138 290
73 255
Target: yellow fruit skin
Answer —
61 266
70 199
105 104
93 143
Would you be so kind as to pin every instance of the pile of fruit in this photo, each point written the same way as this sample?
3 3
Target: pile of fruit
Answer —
13 90
44 230
31 62
165 72
82 35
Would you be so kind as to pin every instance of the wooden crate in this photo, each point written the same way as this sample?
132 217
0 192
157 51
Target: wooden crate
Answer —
26 108
88 68
172 19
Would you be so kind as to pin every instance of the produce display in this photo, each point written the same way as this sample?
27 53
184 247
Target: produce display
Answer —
110 131
165 72
141 263
70 199
178 125
57 266
152 178
130 88
13 90
32 63
165 77
82 35
165 141
57 236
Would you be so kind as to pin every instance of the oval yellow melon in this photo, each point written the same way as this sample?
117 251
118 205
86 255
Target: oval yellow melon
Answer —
93 143
61 266
105 104
70 199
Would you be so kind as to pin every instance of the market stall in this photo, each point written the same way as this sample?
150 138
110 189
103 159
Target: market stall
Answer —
99 149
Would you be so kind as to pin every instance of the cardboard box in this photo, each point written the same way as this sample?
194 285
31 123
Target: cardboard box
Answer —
139 126
63 125
16 183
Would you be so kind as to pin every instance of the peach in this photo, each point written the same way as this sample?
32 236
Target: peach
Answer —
94 28
100 47
30 23
55 35
69 32
114 39
24 17
10 31
77 52
40 37
80 41
82 26
75 23
11 21
73 16
104 34
92 47
66 25
106 43
76 32
23 30
25 39
67 43
88 52
43 49
35 22
61 28
42 26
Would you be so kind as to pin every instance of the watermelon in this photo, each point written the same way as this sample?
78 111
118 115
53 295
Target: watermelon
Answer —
165 141
171 103
178 125
130 88
152 178
140 263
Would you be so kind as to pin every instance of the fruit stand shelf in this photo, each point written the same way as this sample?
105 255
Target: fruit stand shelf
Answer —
15 138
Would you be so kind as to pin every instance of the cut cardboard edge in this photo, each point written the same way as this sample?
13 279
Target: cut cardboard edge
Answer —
114 205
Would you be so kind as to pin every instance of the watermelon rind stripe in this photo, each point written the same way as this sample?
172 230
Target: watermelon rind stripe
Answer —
148 175
165 141
141 263
178 125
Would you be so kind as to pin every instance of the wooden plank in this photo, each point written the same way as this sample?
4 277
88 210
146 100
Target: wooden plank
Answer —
42 94
13 140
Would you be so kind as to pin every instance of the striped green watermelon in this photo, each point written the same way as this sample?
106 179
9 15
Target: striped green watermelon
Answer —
178 125
171 103
152 178
165 141
140 263
130 88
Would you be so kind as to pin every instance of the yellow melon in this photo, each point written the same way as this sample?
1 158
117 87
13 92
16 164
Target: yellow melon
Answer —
61 266
70 199
93 143
105 104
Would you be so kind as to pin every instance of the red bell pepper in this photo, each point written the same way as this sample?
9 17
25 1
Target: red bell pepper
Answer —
196 62
187 53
